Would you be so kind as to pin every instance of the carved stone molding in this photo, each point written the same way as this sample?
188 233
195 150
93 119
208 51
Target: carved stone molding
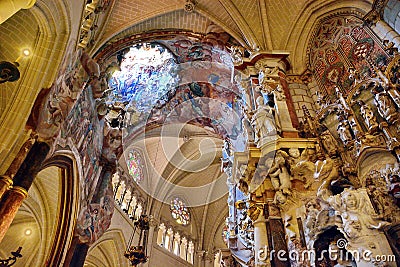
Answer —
376 13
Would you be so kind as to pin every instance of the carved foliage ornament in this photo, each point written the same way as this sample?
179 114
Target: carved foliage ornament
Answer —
189 6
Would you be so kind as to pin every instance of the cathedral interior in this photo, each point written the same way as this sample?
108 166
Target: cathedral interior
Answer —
206 133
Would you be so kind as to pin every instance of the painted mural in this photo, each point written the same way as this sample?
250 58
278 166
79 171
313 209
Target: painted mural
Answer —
84 129
344 52
56 102
147 73
197 89
134 164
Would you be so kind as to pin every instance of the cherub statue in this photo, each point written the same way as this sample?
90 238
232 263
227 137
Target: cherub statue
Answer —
279 174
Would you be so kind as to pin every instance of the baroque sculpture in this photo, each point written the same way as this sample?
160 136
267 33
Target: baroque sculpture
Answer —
263 121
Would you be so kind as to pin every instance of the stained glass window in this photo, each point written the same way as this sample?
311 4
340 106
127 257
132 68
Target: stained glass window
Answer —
147 72
180 212
134 163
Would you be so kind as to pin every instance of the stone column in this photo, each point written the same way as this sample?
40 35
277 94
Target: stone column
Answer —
10 7
200 258
261 241
6 179
5 184
272 81
277 239
23 180
79 255
9 207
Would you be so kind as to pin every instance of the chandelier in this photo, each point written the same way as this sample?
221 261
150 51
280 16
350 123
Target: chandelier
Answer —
11 260
137 254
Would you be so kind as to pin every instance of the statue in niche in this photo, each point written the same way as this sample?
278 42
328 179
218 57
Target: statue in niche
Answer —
368 116
304 130
263 120
328 143
380 200
386 107
343 130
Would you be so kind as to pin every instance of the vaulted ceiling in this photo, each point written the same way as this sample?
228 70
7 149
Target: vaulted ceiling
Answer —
51 25
265 25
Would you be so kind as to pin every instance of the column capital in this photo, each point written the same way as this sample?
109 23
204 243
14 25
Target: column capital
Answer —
263 60
6 179
20 190
5 184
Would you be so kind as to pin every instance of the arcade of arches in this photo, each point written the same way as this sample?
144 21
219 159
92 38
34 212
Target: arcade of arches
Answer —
200 133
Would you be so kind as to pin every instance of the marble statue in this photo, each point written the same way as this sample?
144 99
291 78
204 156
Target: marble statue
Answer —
263 120
368 116
360 223
343 130
294 157
386 107
279 174
328 143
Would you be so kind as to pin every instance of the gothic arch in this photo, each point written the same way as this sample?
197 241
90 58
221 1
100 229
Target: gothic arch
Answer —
44 224
105 250
300 39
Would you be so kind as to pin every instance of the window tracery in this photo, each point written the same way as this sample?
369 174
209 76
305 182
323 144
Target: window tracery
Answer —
180 212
